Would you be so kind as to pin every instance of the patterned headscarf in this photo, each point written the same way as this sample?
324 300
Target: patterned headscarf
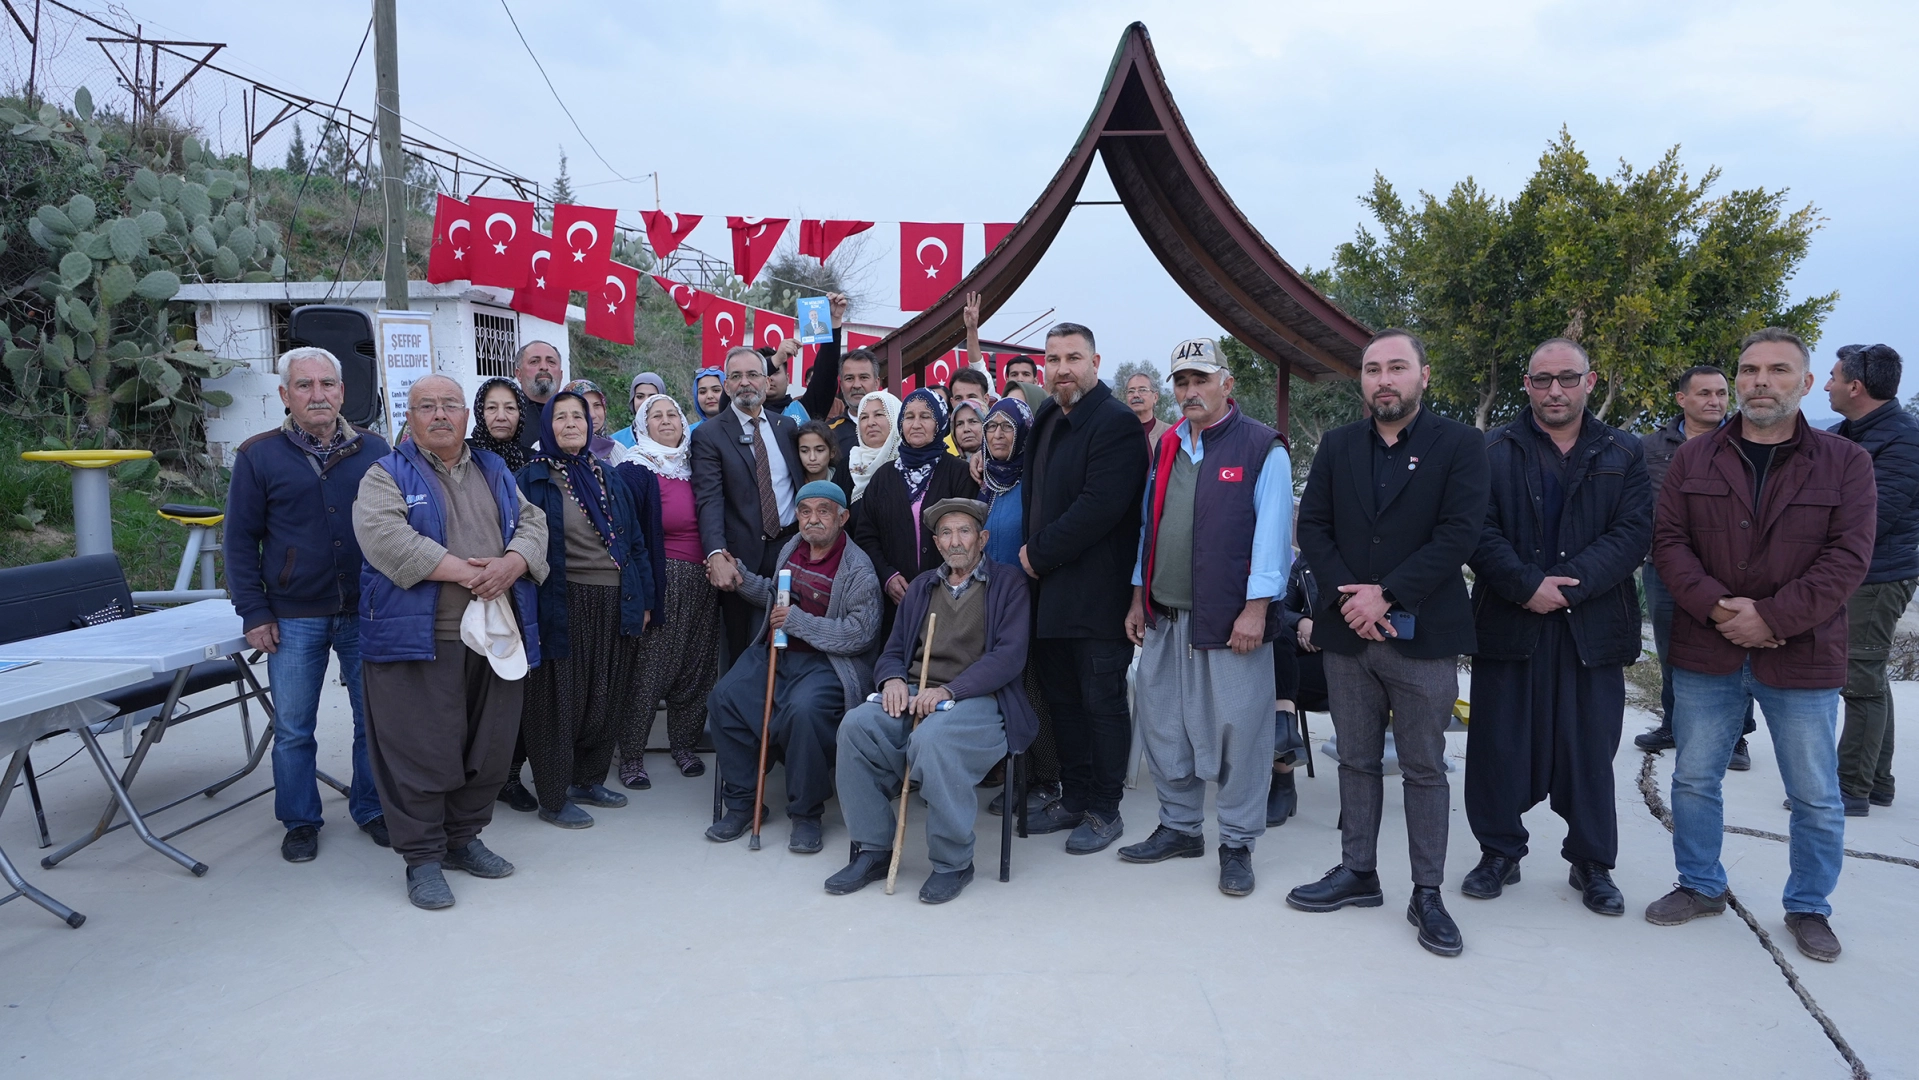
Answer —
670 462
1003 476
866 460
917 462
508 448
585 479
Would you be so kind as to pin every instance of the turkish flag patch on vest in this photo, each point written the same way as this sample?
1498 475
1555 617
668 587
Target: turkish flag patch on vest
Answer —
1232 475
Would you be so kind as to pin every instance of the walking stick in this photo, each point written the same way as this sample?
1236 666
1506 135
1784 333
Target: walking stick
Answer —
775 641
906 778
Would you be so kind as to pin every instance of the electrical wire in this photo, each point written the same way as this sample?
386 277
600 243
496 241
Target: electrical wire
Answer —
557 98
293 219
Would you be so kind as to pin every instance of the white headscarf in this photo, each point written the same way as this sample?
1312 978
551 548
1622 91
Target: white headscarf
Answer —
670 462
865 460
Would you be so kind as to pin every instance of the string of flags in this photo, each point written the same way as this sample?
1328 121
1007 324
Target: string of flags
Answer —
497 242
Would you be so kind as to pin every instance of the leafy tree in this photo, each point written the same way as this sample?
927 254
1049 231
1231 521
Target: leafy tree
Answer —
297 152
1314 408
562 184
1648 270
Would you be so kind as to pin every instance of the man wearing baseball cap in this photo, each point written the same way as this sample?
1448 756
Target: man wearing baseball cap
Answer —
1213 553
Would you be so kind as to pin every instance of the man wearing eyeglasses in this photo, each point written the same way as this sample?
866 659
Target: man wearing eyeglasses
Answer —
1557 615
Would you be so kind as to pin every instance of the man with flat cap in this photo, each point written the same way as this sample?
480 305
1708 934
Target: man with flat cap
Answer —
832 628
976 661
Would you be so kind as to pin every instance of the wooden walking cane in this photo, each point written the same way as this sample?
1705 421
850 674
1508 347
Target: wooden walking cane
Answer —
775 641
906 779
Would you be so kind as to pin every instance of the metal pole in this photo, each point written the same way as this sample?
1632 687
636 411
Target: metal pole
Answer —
92 513
33 57
386 63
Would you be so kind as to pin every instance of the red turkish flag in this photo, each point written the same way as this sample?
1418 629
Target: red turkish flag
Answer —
722 326
684 296
769 329
753 242
447 259
995 232
666 230
857 340
542 297
609 306
820 238
930 260
585 239
500 255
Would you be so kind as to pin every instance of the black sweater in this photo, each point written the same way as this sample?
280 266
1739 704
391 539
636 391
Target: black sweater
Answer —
886 531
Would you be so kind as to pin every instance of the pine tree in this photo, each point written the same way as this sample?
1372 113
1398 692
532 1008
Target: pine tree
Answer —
562 184
297 152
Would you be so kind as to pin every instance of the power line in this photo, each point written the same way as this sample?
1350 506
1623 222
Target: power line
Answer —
293 219
562 102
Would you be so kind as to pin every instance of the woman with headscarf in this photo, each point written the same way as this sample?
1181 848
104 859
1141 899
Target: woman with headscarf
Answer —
709 394
594 606
967 437
889 528
599 441
678 657
877 442
499 415
643 386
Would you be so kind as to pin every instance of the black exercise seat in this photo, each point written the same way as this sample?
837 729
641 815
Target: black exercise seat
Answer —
191 510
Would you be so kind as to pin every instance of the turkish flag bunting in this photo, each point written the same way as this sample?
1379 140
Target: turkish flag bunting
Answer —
684 296
447 259
769 329
995 232
500 253
542 297
930 260
585 235
722 326
820 238
665 230
753 242
609 305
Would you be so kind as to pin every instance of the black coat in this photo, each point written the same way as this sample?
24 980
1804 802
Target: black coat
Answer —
1087 468
886 531
1605 532
1414 548
726 494
645 489
1301 600
1891 435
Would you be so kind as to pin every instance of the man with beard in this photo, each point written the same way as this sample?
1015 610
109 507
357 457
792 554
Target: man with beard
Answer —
538 370
1393 507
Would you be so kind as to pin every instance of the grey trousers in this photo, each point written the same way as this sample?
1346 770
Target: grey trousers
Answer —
1363 690
1865 746
1206 714
439 734
949 754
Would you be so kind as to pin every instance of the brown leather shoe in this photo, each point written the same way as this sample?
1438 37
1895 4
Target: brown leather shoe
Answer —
1814 936
1683 905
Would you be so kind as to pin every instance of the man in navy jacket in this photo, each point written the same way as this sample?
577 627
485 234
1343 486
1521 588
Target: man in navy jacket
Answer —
293 567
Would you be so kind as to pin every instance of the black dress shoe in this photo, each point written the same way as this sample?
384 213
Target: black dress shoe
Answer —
1659 738
595 795
1094 832
1052 818
1164 844
733 825
1235 870
1487 880
1282 799
1339 888
377 830
805 837
1596 889
944 885
867 867
302 844
1741 756
1438 934
1880 798
515 795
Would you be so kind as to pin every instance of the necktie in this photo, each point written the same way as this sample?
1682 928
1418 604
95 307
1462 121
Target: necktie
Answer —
763 472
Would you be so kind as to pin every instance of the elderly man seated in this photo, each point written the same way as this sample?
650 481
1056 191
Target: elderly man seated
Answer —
832 626
977 656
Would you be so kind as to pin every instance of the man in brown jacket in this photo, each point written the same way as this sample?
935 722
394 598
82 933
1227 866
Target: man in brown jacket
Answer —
1764 528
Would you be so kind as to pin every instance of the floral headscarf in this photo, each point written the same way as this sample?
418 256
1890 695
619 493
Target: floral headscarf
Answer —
670 462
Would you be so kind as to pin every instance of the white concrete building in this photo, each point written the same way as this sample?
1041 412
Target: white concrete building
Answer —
475 336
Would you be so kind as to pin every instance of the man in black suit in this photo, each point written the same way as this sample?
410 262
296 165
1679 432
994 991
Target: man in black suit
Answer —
1393 507
1085 471
746 473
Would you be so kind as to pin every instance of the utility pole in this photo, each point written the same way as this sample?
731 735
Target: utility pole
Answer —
386 62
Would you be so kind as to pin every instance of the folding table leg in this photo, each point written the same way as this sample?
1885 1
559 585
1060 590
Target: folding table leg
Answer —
1010 789
21 888
124 802
33 795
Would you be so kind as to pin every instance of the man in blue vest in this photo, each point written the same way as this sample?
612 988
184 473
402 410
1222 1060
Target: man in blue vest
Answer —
442 527
1213 554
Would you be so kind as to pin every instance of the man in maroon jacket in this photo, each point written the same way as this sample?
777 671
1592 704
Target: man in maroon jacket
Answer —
1764 528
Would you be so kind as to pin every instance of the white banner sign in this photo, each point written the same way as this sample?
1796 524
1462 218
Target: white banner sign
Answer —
406 357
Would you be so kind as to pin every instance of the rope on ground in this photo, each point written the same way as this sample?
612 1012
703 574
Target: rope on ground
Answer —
1850 853
1656 803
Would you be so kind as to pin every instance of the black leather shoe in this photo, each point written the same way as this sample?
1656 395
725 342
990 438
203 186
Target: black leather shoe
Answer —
805 837
1164 844
1880 798
426 887
1052 818
1095 832
595 795
1659 738
1235 870
477 859
515 795
1339 888
1490 878
943 885
866 868
1438 934
1741 756
1596 888
733 825
1037 798
1282 799
302 844
377 830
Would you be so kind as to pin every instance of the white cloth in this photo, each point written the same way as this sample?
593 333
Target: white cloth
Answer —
866 460
488 628
671 462
783 486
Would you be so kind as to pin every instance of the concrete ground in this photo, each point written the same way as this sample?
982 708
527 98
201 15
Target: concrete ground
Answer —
639 948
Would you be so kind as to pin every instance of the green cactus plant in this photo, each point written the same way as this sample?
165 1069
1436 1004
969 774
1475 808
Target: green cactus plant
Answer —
110 272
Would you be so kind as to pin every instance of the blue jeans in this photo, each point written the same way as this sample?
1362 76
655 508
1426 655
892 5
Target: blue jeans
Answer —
1659 601
1706 721
297 671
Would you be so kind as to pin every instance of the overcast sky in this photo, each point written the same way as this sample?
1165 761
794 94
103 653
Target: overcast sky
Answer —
944 112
